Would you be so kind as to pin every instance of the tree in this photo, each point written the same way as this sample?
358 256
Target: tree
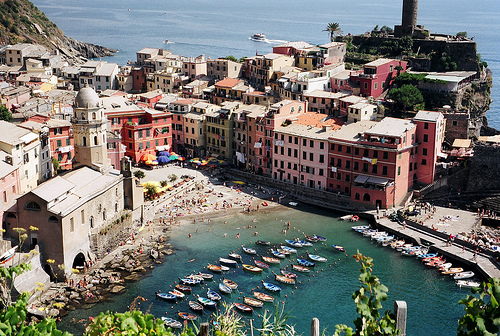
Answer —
406 43
172 177
231 58
139 174
407 97
151 191
333 28
164 183
5 113
55 164
462 34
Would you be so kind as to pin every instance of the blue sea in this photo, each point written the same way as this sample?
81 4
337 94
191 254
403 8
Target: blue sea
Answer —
221 28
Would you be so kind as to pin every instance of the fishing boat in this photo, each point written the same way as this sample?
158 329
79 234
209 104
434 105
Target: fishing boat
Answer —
270 287
263 297
206 276
179 294
214 268
293 243
243 307
468 283
206 302
463 275
213 295
311 239
195 277
289 249
301 268
261 264
360 228
338 248
263 242
304 243
306 263
231 284
8 255
288 274
317 258
258 37
183 288
253 302
166 296
251 268
319 238
248 250
187 316
225 289
271 260
187 281
452 270
235 256
285 279
170 322
285 252
229 262
278 254
195 306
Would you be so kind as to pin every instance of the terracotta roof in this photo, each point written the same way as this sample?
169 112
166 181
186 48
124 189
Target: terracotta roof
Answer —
318 120
228 82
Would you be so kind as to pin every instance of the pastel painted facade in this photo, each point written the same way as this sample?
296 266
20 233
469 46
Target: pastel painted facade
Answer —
362 111
221 68
219 131
262 68
229 89
323 102
377 76
9 187
195 67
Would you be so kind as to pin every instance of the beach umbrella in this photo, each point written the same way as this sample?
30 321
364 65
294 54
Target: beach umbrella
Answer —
195 160
163 159
147 157
164 153
181 158
173 157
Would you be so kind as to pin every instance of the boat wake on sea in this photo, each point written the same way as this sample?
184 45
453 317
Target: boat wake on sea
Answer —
260 37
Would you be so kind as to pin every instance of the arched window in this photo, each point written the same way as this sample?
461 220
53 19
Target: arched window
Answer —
95 141
32 206
357 196
91 221
366 197
53 219
93 116
84 141
83 116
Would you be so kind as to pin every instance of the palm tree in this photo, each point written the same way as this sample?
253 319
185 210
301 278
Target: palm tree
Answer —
333 28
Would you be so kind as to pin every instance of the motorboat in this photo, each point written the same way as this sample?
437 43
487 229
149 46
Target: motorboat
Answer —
235 256
214 268
452 270
206 302
304 242
225 289
463 275
306 263
301 268
468 283
258 37
170 322
231 284
278 254
213 295
293 243
166 296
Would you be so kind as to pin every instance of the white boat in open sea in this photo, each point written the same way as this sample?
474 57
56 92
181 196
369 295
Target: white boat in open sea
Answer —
258 37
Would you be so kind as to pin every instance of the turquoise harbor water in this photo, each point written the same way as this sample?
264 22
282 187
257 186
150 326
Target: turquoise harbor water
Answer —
432 299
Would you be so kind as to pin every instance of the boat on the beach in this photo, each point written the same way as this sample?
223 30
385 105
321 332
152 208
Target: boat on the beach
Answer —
195 306
261 264
206 302
170 322
213 295
231 284
214 268
278 254
225 289
258 37
263 297
248 250
338 248
289 249
229 262
183 288
166 296
251 268
179 294
187 316
263 242
235 256
270 287
271 260
316 258
463 275
452 270
253 302
187 281
243 307
293 243
306 263
301 268
8 255
468 283
206 276
284 279
288 274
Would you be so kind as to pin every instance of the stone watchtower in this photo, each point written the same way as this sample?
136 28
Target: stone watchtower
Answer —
409 26
89 130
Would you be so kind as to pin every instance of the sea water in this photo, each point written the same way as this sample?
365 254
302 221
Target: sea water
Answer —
325 293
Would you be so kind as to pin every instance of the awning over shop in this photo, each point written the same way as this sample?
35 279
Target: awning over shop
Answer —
376 181
361 179
461 143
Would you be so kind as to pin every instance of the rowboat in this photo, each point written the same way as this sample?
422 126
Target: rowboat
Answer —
285 252
234 256
187 316
170 322
452 270
319 238
248 250
270 287
311 239
293 243
463 275
179 294
445 266
243 307
230 284
278 254
261 264
229 262
213 295
263 297
304 243
206 276
285 279
214 268
187 281
166 296
253 302
251 268
288 274
224 268
183 288
225 289
195 306
263 242
397 243
271 260
8 255
338 248
301 268
426 256
468 283
359 228
289 249
369 232
206 302
195 277
306 263
317 258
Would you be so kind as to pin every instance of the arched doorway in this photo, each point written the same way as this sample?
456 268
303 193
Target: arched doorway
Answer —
79 261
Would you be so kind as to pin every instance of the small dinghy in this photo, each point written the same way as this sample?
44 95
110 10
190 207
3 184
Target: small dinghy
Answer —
304 243
206 302
214 268
248 250
301 268
293 243
213 295
187 316
285 279
270 287
228 262
317 258
468 283
453 270
179 294
263 297
230 284
271 260
251 268
243 307
170 322
183 288
289 249
234 256
288 274
319 238
263 242
306 263
166 296
195 306
195 277
206 276
225 289
311 239
463 275
253 302
261 264
278 254
338 248
187 281
285 252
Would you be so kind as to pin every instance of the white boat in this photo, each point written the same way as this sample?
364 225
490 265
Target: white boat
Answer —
8 255
229 262
289 249
347 217
467 283
360 228
248 250
258 37
445 266
318 258
463 275
293 203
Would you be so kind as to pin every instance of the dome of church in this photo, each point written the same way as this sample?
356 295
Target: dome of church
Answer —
87 98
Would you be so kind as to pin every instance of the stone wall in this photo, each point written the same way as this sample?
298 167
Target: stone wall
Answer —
112 235
484 172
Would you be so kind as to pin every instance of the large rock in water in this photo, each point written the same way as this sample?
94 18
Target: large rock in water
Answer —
117 289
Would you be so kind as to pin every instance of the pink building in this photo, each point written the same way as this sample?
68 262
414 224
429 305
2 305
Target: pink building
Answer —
9 188
195 67
377 76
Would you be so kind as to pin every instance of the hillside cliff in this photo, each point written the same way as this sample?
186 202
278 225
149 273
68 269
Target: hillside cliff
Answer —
23 22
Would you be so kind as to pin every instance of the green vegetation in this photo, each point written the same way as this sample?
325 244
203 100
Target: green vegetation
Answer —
231 58
5 113
333 29
139 174
407 97
172 178
462 34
